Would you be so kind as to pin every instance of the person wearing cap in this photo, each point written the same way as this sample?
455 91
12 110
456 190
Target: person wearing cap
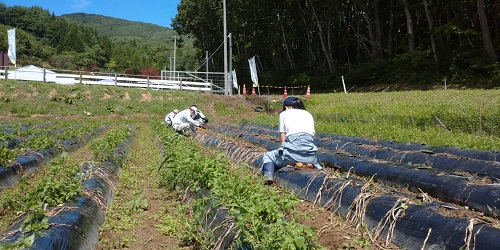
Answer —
184 120
170 116
199 116
296 129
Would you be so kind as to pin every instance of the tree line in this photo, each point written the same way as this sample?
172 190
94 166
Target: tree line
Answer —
46 40
370 41
296 42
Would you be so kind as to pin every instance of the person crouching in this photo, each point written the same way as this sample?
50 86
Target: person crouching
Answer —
170 116
296 129
184 121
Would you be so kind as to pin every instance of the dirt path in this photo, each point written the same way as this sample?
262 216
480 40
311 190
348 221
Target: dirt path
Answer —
129 224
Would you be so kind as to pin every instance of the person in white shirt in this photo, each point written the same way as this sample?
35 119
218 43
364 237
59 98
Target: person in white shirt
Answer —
296 128
184 120
199 116
170 116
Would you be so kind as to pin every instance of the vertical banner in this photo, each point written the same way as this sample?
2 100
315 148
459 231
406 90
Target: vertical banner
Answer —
253 71
11 37
235 82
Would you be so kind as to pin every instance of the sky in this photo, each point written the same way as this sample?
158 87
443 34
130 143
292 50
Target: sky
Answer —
159 12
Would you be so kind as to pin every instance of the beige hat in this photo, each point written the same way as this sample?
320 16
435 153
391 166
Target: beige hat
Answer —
194 108
176 111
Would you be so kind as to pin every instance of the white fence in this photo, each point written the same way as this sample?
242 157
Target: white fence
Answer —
194 81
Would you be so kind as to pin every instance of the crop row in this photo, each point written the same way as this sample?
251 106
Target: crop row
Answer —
387 213
65 205
234 209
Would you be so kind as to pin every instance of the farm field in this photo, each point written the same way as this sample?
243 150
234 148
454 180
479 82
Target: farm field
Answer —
378 149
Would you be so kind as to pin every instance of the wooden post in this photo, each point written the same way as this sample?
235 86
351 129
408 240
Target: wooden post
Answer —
411 120
44 79
116 82
480 119
80 77
343 83
148 82
438 122
6 72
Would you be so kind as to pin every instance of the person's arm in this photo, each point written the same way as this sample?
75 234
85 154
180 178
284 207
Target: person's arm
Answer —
282 128
282 137
192 122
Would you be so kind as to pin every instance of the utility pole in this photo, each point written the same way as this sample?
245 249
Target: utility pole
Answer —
175 48
170 67
230 72
206 64
228 90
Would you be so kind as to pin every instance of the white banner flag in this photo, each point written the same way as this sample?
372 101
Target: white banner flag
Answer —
253 71
235 82
11 37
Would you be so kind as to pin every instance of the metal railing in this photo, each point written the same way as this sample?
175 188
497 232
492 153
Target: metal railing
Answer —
168 80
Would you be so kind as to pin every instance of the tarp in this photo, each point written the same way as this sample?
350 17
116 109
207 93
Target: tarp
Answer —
478 189
388 216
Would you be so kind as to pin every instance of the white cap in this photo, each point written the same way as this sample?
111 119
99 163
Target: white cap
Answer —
176 111
194 108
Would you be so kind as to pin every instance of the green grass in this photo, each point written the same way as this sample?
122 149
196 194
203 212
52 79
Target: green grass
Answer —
471 116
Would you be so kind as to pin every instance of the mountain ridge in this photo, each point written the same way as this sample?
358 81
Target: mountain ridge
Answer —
118 29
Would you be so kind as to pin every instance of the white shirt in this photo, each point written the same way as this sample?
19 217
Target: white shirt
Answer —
294 121
170 116
184 117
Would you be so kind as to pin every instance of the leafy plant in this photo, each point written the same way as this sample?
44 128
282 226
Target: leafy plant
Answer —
7 156
259 212
103 148
138 202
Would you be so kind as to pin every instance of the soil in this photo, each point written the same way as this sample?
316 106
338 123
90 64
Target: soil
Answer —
332 230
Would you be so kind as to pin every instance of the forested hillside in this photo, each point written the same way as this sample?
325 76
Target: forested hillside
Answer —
410 43
368 41
91 42
123 30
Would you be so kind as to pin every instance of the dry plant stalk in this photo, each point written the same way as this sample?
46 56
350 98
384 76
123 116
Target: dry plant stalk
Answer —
306 188
469 232
97 197
337 196
232 227
390 218
355 216
425 196
427 238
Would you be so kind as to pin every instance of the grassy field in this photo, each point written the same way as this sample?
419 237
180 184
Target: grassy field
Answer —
470 117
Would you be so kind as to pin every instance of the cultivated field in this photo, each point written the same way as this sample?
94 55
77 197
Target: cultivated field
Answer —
94 167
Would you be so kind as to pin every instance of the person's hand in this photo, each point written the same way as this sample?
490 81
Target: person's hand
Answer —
202 126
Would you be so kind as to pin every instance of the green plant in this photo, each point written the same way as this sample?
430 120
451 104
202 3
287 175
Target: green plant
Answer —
5 99
138 203
7 156
259 212
103 148
56 186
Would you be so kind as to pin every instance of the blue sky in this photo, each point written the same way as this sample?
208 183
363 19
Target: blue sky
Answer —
158 12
